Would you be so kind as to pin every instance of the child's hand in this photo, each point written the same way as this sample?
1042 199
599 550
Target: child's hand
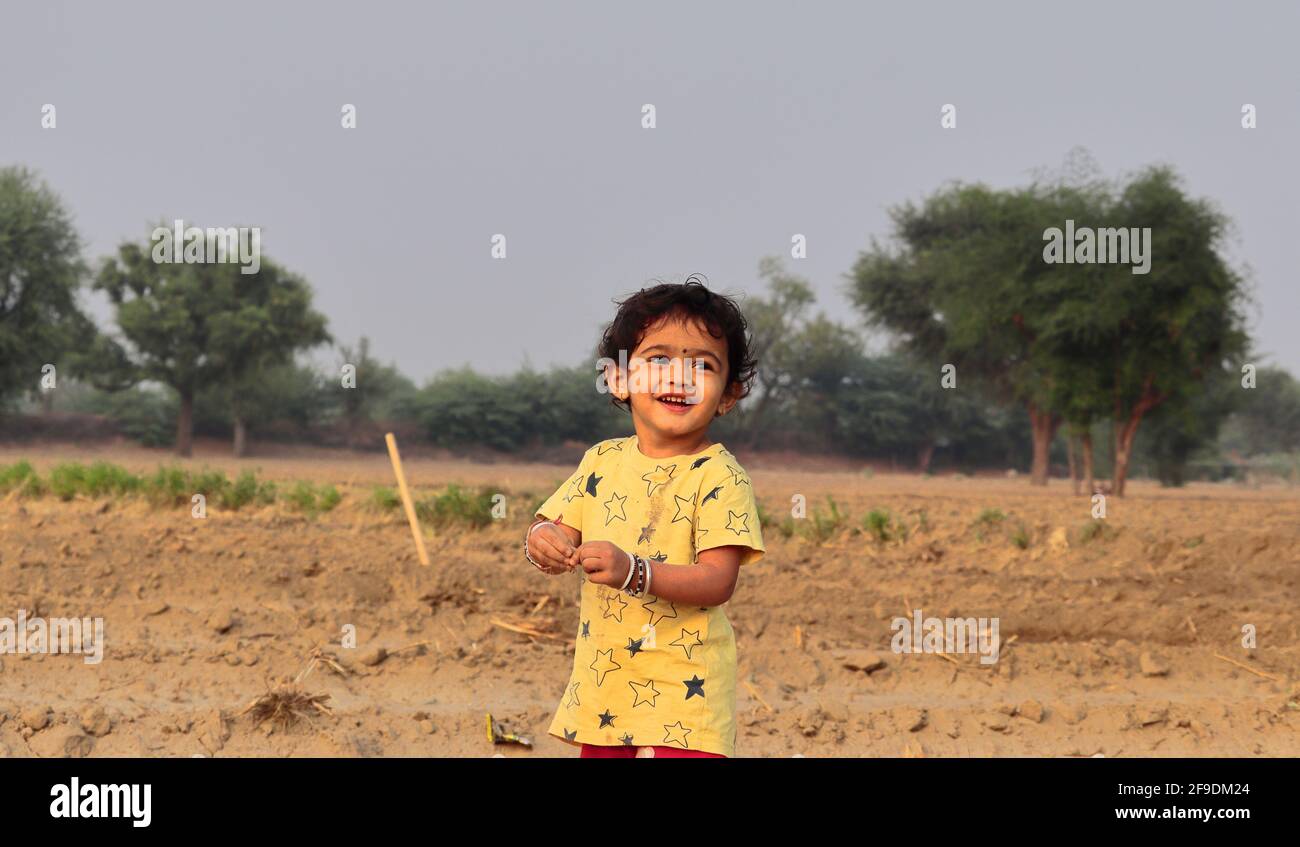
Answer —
604 563
550 546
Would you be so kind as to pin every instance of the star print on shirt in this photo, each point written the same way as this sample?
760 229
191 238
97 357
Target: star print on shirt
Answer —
657 610
676 734
573 696
685 508
592 482
626 739
633 646
712 495
660 556
657 477
738 476
614 508
687 644
603 664
694 686
606 719
639 694
586 629
575 489
695 464
610 611
646 531
570 736
742 520
607 447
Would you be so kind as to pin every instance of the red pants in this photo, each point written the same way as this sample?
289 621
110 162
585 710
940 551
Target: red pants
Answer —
627 751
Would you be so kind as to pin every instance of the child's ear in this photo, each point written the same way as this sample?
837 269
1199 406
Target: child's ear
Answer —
729 400
616 379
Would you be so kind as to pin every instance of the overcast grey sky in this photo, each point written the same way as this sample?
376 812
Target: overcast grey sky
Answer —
525 119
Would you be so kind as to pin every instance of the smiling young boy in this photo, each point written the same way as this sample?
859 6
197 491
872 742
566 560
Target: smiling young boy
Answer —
660 523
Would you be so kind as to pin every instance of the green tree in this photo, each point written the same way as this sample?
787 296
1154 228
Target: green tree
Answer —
200 325
370 390
959 289
41 270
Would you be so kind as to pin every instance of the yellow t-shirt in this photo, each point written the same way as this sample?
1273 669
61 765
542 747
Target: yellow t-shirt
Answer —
647 671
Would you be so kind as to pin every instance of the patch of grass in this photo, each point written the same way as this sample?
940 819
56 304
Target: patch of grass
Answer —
311 499
877 523
386 499
990 518
785 527
15 475
1096 530
1193 543
821 525
456 505
1020 537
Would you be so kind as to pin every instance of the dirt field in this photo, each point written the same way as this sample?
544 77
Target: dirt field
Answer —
1128 644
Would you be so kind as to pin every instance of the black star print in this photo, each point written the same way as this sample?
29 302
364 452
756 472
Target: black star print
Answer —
694 686
592 482
627 739
695 464
646 531
586 629
570 736
660 556
633 647
712 495
606 719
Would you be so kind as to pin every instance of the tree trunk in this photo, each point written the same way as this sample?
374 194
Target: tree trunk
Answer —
1074 469
1126 434
1087 462
1044 425
924 455
241 437
185 424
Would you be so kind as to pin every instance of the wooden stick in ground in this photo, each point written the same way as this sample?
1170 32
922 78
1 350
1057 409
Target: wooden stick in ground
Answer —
1248 668
407 503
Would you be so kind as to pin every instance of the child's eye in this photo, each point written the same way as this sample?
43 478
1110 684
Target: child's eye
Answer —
700 364
659 359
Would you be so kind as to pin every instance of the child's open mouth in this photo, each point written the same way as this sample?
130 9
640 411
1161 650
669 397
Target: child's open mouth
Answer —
675 403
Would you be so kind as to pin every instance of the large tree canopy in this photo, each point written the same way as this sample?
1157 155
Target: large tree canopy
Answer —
968 284
199 325
41 271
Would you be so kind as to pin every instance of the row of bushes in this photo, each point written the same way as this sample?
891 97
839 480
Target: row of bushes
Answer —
167 486
454 505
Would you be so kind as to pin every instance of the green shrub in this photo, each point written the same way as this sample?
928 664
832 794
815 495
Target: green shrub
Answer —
877 523
821 526
15 475
456 505
1020 537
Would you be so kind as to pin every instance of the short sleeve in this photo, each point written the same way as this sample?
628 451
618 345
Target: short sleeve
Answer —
565 505
728 512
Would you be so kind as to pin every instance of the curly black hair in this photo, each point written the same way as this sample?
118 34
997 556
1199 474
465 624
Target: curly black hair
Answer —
691 300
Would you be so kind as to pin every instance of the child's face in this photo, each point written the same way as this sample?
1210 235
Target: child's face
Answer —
677 378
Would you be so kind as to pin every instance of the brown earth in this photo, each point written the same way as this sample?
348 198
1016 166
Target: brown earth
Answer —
1127 644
